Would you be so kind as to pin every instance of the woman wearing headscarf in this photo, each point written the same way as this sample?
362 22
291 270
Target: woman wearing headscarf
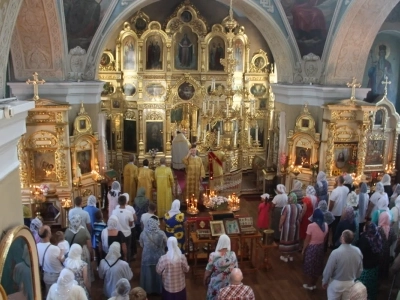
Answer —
387 185
219 267
279 201
382 207
313 250
112 269
91 209
373 201
75 263
328 216
153 241
112 196
396 193
321 186
309 204
141 206
388 238
111 234
77 234
348 181
395 211
66 288
370 244
35 225
174 224
289 226
298 190
347 222
122 290
172 268
363 200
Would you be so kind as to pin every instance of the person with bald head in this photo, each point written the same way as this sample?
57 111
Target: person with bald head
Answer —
236 290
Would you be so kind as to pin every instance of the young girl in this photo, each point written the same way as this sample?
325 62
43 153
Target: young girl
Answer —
61 242
264 212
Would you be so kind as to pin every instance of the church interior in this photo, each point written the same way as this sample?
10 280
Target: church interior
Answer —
269 91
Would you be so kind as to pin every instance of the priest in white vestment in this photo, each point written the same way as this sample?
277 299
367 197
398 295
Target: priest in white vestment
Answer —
180 148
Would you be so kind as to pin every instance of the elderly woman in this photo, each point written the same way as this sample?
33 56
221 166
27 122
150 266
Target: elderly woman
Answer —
153 240
313 250
388 238
279 201
310 202
141 206
219 267
347 222
75 263
387 185
111 234
396 193
77 234
382 205
298 190
91 209
174 224
36 224
370 244
373 201
112 196
321 186
137 293
112 269
66 288
363 199
172 268
289 226
122 289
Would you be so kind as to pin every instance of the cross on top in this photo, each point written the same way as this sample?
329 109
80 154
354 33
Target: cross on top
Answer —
353 84
35 83
386 82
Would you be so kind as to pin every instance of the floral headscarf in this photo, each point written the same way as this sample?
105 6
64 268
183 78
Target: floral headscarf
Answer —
321 177
292 198
141 199
374 238
348 214
318 217
36 224
310 193
328 216
75 223
151 225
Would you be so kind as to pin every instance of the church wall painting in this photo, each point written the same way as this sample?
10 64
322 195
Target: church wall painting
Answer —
310 21
44 166
186 50
186 91
344 158
216 51
258 90
154 136
129 52
82 18
239 54
84 159
375 153
303 157
154 53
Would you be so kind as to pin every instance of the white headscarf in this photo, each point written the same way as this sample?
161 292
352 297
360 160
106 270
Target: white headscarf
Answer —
383 203
281 189
176 205
36 224
297 185
174 253
265 196
115 189
310 192
348 179
127 197
74 260
91 201
75 223
112 222
114 253
397 203
379 188
321 176
65 283
224 242
122 289
386 179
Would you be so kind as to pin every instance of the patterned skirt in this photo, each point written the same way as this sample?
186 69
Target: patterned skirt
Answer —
314 260
369 277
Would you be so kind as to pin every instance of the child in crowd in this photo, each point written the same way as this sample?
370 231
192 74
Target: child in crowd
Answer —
264 212
98 227
61 242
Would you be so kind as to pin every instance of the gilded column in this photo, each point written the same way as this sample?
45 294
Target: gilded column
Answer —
23 159
394 156
330 146
118 56
362 148
141 144
168 124
140 56
169 68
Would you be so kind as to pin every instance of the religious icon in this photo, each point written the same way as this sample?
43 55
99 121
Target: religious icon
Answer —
186 16
130 143
379 69
155 89
82 124
154 136
302 157
263 103
140 24
216 50
116 104
154 53
44 166
129 54
105 60
344 158
232 226
186 50
219 89
378 117
376 152
84 159
260 62
177 114
186 91
217 228
258 90
129 89
239 46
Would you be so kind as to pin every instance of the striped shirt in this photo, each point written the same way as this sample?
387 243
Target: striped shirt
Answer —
97 229
236 292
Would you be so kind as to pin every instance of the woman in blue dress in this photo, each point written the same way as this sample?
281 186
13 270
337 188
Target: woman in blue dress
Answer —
174 224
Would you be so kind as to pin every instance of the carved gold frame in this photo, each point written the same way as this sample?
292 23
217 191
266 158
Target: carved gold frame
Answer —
111 64
259 68
5 245
82 143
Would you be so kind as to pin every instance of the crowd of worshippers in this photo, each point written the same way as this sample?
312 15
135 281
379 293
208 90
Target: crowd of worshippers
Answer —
69 259
361 226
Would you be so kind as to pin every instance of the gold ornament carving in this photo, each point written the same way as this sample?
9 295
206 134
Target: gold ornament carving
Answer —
330 146
41 117
23 159
344 115
154 116
151 106
130 115
377 136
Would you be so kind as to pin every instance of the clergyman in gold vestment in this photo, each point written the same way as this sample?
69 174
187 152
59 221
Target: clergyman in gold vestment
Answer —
146 179
194 173
165 185
131 178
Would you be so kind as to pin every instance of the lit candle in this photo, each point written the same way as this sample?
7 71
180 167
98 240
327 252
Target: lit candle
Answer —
204 134
204 107
212 109
218 136
241 108
257 133
198 132
213 84
234 139
249 136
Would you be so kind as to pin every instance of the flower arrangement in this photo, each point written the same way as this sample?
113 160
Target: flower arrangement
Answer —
351 166
153 152
44 188
282 159
219 202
